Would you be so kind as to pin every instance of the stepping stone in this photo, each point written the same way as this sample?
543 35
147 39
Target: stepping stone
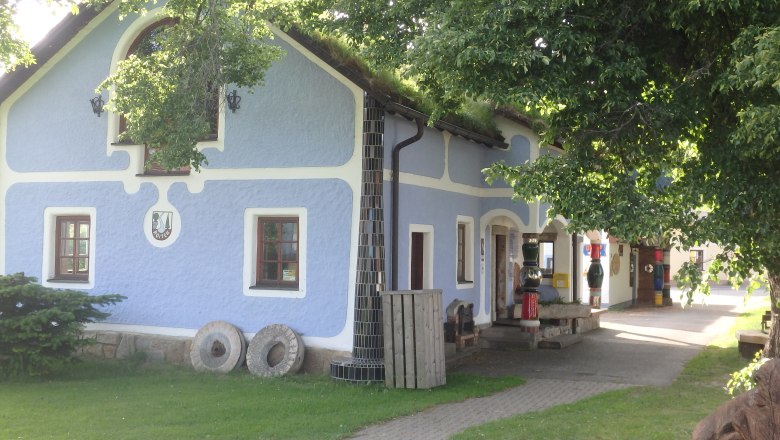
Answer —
558 342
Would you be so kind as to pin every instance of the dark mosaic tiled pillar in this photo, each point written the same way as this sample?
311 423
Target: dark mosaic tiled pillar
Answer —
367 361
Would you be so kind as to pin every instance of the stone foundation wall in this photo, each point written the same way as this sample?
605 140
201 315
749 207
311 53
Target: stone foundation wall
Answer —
176 350
551 331
587 324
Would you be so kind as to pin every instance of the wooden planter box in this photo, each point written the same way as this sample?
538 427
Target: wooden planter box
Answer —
414 339
564 311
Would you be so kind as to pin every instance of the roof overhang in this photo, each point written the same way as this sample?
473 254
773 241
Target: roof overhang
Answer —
47 48
71 25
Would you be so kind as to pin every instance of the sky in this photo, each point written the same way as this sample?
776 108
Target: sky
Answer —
35 18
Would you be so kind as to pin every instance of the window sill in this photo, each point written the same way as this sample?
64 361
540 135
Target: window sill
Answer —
464 285
67 280
273 287
261 291
170 173
128 143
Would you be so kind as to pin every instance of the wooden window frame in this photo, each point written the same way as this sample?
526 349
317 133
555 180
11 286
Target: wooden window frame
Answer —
156 169
464 252
461 254
59 274
279 261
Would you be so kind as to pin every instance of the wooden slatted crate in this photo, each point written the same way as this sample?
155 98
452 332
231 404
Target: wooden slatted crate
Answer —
414 338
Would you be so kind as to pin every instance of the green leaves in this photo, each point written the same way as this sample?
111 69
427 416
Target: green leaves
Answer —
169 96
14 51
668 111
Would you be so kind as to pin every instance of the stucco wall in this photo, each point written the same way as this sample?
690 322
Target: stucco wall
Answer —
678 257
294 144
441 183
619 269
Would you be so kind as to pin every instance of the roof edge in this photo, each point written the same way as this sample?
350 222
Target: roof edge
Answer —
60 35
390 104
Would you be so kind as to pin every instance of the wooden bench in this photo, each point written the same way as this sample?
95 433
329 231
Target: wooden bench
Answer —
749 342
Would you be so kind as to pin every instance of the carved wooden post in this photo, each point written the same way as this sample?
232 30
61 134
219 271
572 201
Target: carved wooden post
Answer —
658 276
667 292
595 275
531 278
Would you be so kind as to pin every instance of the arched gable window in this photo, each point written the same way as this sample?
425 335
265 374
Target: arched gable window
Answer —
146 43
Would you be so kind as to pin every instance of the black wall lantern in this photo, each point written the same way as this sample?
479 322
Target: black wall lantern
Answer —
97 105
233 101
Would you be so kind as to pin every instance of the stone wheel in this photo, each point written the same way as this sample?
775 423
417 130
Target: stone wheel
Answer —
219 347
260 357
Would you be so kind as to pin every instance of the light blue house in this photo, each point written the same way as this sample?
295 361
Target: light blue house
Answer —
294 220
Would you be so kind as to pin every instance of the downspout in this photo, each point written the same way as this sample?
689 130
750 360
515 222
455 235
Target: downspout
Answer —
575 275
396 165
575 262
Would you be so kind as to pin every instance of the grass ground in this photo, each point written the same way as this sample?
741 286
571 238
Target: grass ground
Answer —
109 400
636 413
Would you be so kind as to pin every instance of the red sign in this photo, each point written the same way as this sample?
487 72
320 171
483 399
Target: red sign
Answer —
530 311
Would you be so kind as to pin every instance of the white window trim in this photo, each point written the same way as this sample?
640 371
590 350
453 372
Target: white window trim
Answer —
468 252
49 246
251 215
428 241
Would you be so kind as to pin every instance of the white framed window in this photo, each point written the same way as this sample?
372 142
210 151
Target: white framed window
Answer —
464 252
275 252
547 258
69 243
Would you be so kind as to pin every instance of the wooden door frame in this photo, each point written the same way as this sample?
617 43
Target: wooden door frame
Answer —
428 244
496 230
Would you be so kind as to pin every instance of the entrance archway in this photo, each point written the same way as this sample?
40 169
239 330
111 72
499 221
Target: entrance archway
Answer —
500 239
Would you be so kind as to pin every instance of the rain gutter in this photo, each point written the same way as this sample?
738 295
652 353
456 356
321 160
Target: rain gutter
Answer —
396 187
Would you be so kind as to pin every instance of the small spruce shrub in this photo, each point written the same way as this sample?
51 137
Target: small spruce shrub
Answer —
40 327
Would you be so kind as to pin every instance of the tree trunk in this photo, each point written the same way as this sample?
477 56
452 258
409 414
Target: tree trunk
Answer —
772 349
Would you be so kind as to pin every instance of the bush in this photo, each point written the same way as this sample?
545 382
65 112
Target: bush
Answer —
744 379
40 327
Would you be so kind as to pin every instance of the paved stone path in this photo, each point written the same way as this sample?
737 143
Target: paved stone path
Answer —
647 346
442 421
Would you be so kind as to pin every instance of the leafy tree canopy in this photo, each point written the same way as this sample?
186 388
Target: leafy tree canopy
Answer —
666 109
14 50
168 92
669 111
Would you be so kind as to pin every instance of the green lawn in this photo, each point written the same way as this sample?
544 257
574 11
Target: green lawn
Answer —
104 400
110 400
636 413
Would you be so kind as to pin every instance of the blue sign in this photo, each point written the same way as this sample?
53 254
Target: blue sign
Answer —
586 250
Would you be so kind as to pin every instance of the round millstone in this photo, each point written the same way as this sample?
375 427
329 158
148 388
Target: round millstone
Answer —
260 357
219 347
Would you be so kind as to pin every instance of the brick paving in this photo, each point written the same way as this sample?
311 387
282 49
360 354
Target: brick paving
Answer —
442 421
633 348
